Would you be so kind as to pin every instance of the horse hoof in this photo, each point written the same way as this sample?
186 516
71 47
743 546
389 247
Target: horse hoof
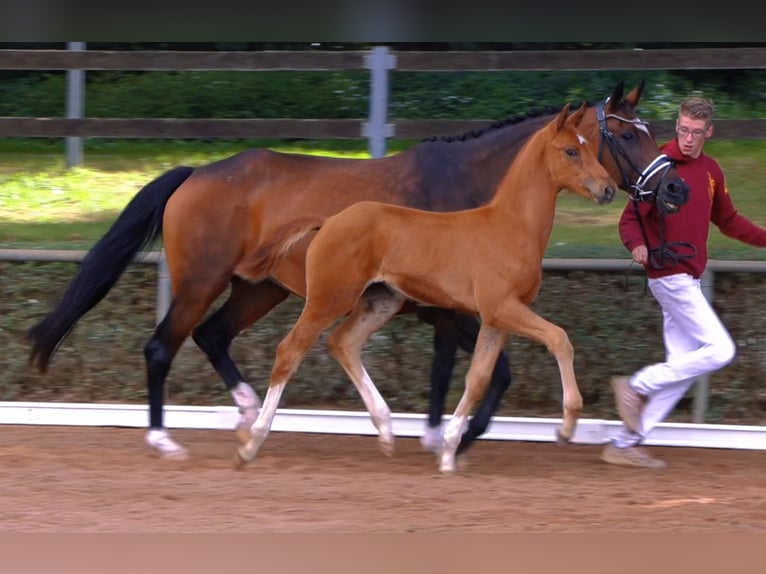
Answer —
176 455
561 439
431 441
168 449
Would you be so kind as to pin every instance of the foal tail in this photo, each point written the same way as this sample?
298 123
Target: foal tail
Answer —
264 259
135 229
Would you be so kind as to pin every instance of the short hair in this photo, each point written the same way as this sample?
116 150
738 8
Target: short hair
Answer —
697 108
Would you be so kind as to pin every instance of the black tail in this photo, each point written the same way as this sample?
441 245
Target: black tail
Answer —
135 229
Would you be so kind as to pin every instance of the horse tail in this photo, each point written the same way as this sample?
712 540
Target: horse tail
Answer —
139 224
266 257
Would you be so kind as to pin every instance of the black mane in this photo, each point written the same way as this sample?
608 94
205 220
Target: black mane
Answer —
498 124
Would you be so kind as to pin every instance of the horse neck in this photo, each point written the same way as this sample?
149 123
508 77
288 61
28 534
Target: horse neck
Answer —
485 159
527 195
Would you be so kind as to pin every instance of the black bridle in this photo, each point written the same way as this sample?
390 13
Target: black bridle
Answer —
658 166
667 202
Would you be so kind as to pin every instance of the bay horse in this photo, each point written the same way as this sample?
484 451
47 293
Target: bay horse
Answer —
485 261
213 216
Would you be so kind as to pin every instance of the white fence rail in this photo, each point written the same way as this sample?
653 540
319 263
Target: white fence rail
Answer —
701 389
589 431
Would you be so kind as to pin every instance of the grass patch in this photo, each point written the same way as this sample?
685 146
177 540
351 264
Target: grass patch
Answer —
44 205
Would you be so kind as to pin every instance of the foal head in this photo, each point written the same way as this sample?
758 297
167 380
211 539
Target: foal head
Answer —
570 162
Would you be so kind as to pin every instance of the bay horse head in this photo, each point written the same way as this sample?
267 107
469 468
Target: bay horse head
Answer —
646 173
572 164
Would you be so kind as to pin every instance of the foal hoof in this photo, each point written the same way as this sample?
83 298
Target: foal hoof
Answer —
561 439
241 458
243 434
239 462
386 448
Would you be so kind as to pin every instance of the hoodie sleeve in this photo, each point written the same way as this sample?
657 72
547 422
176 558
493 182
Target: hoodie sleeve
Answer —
726 217
631 234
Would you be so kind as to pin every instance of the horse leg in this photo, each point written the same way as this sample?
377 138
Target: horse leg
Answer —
185 311
488 346
515 317
346 344
247 302
445 347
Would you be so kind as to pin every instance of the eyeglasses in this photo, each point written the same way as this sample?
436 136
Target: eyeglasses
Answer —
685 132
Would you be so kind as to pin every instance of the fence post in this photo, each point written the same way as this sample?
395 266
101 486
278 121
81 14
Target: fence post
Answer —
75 105
702 388
163 287
376 130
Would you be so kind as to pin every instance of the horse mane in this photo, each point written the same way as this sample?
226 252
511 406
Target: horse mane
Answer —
499 124
271 252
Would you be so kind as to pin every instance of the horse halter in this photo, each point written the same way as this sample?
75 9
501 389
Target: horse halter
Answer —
667 200
659 165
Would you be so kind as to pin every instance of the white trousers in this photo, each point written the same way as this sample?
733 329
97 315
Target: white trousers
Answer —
696 342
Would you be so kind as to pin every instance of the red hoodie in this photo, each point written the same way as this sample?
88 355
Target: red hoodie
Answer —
709 200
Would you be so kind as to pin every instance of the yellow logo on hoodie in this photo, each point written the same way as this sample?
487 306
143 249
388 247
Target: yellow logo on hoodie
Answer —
711 186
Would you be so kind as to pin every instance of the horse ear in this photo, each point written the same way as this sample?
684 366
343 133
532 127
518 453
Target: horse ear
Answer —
575 119
635 95
616 97
562 116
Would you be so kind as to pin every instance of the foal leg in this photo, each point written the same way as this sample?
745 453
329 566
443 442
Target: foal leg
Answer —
466 332
316 317
445 347
246 303
346 343
488 345
516 317
453 330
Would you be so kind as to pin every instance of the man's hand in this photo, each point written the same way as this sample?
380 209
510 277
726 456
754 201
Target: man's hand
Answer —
640 254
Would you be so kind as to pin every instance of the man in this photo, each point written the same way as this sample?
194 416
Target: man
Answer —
673 250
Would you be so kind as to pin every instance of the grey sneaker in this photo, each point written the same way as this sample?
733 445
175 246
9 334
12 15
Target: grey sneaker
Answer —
630 456
629 403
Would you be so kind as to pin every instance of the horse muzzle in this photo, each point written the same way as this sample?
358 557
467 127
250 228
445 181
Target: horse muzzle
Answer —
671 196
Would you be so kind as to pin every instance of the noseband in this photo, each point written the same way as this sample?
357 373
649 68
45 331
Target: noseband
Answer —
667 202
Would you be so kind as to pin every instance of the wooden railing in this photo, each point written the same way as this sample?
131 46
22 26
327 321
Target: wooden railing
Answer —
562 60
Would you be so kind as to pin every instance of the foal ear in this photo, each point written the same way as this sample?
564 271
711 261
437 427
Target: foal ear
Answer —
561 118
575 119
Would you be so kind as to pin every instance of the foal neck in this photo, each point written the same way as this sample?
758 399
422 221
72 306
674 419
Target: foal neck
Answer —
528 191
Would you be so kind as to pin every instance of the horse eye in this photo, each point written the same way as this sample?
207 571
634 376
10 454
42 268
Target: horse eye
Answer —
571 152
628 135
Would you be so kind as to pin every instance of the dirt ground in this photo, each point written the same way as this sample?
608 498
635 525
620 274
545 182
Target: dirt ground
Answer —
84 479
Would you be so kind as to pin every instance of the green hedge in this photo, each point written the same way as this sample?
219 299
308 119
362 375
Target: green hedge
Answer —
414 95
